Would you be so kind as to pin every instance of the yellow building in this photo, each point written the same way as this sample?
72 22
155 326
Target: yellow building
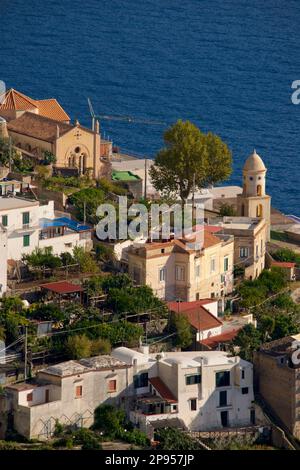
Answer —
175 271
39 126
254 202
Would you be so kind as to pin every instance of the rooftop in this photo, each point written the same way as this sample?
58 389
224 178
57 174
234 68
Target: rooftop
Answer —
16 101
213 341
124 176
64 222
200 318
282 346
82 366
8 203
283 264
162 389
41 127
62 287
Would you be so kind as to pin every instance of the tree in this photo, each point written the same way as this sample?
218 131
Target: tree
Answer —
7 151
274 280
285 325
100 346
87 200
227 210
110 420
66 259
189 154
118 281
139 299
42 258
285 254
180 325
175 439
49 158
78 346
44 312
248 340
85 260
12 317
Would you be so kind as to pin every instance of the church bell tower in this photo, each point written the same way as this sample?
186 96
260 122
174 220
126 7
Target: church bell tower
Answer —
254 202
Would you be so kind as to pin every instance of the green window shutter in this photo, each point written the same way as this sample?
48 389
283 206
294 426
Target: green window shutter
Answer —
26 240
4 220
25 218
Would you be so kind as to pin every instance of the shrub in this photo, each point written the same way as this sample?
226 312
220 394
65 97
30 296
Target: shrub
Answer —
78 346
100 346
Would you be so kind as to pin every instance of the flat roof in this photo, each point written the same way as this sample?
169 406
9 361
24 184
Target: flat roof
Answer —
8 203
65 369
124 176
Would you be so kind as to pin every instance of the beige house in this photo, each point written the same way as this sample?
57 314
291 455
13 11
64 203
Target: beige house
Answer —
277 377
68 392
174 270
250 237
254 202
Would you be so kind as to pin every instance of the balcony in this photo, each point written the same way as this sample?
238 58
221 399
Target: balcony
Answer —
150 405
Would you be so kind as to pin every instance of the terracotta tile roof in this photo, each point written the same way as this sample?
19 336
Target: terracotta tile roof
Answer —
283 264
210 240
52 109
200 318
40 127
162 389
62 287
213 341
14 100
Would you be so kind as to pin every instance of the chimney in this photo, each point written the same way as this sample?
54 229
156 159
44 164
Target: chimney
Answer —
77 122
144 349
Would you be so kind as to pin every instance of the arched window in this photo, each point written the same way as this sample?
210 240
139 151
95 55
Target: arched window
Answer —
259 210
258 190
243 210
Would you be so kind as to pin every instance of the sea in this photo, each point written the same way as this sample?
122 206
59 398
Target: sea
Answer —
226 65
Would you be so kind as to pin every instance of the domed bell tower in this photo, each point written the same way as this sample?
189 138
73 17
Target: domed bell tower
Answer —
254 202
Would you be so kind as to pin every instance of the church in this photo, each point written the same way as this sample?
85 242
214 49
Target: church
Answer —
43 126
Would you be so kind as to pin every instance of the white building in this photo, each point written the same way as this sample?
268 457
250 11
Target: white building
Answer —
26 225
199 390
204 390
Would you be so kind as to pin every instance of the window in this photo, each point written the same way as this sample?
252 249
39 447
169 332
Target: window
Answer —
251 178
179 273
258 190
193 379
162 275
112 385
261 247
226 264
193 404
29 396
25 217
4 220
256 252
259 210
78 391
224 418
223 378
197 270
162 250
244 252
141 380
243 374
212 265
26 240
245 391
223 398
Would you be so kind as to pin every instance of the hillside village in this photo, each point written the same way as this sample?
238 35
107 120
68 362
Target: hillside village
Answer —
168 340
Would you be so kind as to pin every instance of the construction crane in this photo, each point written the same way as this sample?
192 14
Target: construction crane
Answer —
122 118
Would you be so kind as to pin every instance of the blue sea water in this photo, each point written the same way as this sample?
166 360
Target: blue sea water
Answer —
226 65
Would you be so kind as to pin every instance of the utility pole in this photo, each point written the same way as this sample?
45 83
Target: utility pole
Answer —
84 211
146 178
10 152
25 359
193 196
